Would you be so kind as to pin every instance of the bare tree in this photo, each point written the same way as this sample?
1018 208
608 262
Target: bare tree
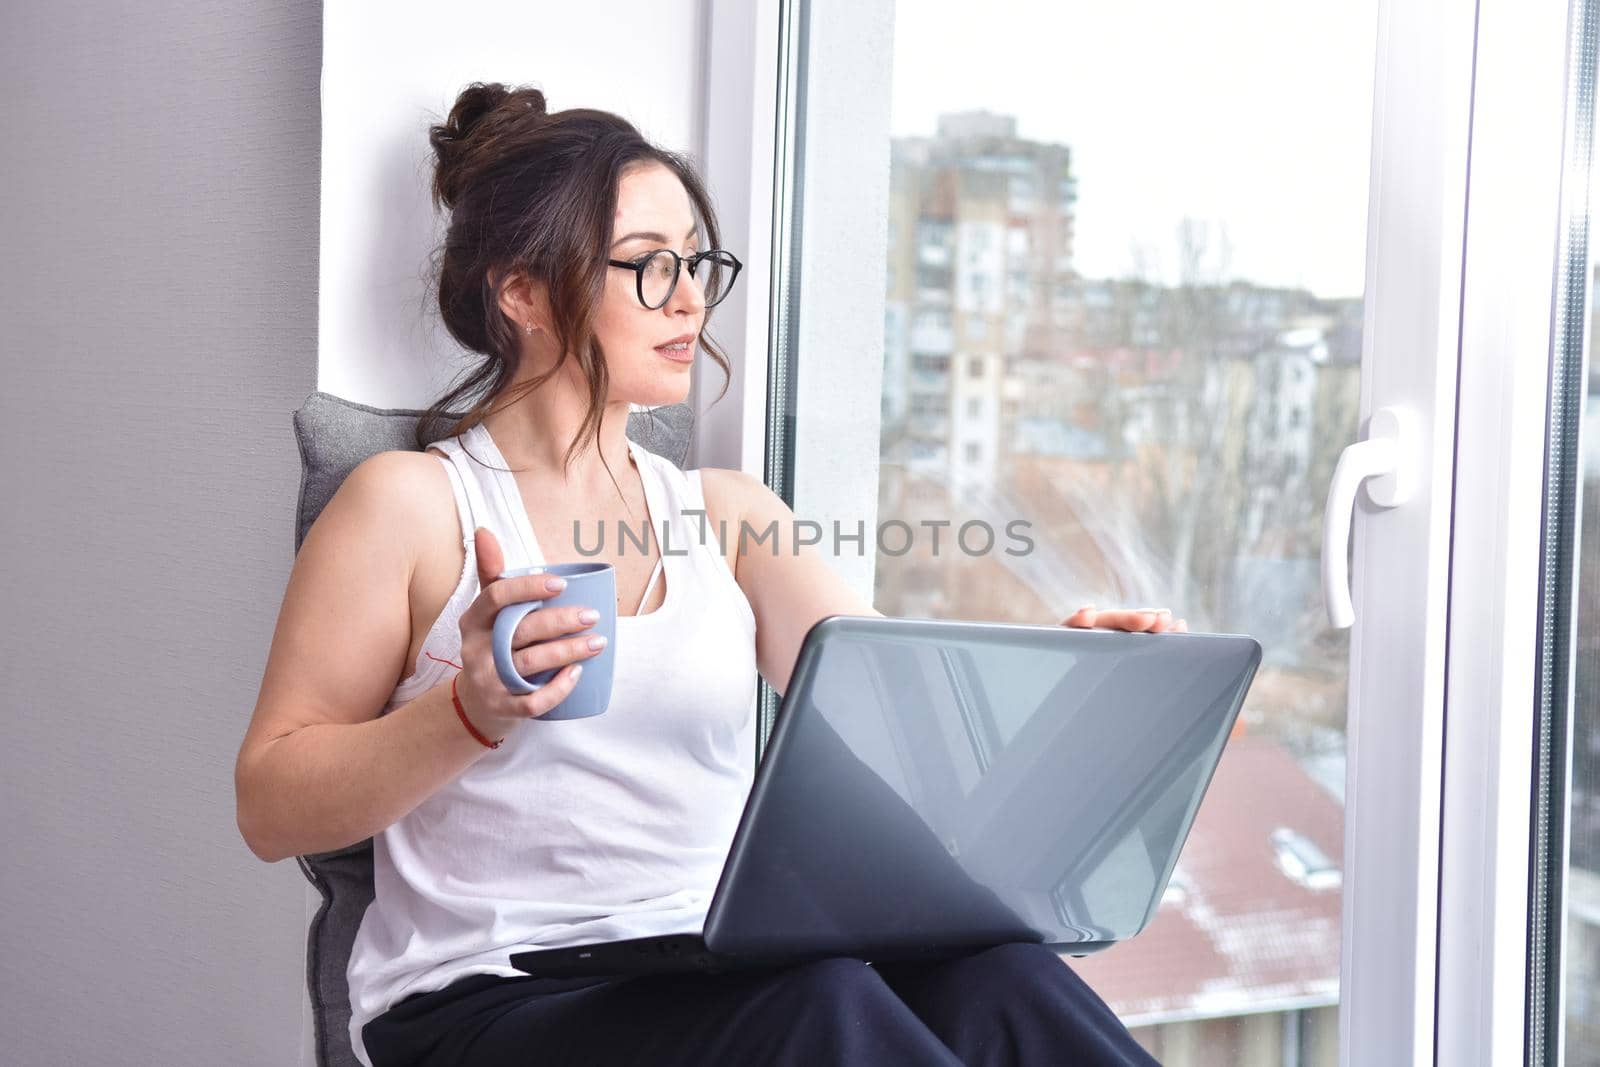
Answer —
1196 487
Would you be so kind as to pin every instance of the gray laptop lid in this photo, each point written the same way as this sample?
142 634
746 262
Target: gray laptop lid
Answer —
932 784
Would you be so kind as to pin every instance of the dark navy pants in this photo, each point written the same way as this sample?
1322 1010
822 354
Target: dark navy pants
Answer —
1014 1004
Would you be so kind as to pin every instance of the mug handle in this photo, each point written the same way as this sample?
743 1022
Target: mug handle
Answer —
505 624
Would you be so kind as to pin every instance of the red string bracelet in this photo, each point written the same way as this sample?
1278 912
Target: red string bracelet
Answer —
465 721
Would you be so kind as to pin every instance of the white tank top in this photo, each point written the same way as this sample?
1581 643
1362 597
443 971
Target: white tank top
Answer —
595 829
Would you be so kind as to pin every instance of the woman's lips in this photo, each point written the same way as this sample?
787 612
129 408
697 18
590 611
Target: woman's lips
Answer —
679 355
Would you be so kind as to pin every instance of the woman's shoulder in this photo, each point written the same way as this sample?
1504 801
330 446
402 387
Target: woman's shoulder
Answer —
411 472
741 495
727 492
418 490
404 478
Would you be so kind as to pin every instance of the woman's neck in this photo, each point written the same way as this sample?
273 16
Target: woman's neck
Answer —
534 434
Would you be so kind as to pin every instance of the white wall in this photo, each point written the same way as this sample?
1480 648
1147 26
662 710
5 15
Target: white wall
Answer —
391 69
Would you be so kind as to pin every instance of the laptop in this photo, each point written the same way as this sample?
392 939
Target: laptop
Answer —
934 787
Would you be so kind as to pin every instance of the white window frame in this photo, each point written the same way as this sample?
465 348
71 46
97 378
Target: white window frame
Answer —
1436 852
841 384
1515 222
738 159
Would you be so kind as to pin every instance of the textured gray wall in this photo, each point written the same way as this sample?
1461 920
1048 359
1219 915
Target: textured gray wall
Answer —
158 309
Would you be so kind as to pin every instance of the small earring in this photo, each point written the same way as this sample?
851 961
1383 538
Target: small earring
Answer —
531 328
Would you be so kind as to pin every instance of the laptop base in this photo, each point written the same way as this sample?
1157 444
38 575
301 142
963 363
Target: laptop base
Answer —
687 953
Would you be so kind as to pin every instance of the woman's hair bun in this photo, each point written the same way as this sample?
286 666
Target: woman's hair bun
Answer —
481 111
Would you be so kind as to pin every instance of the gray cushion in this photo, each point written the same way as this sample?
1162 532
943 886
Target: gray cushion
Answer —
335 435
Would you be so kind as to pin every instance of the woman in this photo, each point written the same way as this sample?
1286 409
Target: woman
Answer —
494 835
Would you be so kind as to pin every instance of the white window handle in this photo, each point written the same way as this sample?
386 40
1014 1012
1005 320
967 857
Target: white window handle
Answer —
1386 457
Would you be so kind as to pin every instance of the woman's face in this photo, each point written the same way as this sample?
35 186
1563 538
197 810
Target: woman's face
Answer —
653 212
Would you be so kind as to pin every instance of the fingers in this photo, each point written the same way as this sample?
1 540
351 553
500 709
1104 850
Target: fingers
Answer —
550 694
548 623
1136 620
1083 618
500 592
537 643
491 561
496 590
547 655
493 706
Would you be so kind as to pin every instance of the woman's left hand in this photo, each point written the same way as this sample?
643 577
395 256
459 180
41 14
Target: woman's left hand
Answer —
1145 620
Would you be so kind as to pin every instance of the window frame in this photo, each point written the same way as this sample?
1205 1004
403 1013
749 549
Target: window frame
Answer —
1522 125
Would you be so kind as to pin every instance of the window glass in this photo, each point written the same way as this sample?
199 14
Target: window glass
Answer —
1581 958
1129 240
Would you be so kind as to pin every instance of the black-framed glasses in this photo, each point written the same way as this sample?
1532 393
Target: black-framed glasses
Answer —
658 274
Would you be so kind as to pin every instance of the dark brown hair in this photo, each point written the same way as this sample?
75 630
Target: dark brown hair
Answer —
534 193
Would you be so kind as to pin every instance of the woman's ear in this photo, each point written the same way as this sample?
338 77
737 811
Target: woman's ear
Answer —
522 300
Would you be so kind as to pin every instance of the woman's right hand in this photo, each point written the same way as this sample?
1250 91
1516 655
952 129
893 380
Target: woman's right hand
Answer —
493 708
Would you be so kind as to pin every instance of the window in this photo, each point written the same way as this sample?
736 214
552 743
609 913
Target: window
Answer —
1133 425
1565 909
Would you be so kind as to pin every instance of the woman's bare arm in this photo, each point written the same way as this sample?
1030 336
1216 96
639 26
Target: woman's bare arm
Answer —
788 590
318 769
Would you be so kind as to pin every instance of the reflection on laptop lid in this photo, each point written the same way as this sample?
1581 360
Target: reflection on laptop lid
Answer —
933 780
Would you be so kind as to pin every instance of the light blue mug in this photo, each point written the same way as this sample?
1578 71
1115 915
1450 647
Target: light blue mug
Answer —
591 585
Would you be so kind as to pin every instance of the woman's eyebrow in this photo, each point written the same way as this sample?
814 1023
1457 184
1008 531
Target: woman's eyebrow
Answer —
651 235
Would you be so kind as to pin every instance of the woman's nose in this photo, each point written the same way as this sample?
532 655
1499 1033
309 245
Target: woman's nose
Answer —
689 290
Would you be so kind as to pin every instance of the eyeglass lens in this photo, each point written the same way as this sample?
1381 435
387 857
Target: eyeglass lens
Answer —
712 274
